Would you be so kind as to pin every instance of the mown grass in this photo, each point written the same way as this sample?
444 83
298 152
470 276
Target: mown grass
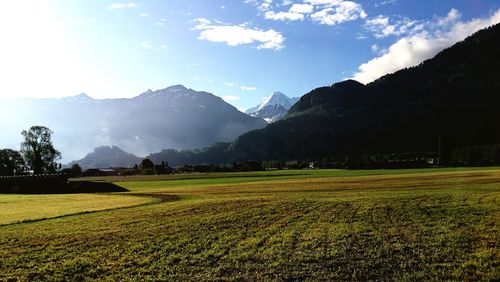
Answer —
19 208
324 225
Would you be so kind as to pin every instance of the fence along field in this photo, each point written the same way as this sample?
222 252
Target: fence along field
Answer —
321 225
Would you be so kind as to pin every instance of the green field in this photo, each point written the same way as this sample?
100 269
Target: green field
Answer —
429 224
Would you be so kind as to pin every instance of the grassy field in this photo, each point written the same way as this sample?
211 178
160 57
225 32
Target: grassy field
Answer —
432 224
22 208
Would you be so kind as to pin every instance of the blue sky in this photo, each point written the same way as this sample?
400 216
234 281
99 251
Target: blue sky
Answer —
239 50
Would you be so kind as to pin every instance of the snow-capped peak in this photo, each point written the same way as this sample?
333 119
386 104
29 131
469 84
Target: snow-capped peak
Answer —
277 98
273 107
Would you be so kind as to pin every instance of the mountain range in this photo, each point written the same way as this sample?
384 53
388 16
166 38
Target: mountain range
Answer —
441 107
273 107
174 117
446 103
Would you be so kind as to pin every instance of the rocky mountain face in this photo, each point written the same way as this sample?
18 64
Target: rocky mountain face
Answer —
174 117
273 108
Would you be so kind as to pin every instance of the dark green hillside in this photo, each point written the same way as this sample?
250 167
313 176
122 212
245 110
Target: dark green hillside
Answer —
448 102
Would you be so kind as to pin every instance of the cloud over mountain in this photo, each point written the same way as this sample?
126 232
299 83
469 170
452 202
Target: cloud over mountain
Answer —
423 41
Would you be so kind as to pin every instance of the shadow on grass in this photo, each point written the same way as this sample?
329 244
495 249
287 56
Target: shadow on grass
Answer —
73 187
94 187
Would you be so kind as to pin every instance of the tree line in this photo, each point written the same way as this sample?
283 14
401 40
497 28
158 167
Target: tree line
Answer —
36 156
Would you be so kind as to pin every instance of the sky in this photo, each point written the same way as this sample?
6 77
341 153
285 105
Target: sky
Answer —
241 51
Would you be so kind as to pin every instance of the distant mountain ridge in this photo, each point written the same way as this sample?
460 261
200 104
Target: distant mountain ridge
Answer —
441 107
106 157
273 107
174 117
446 103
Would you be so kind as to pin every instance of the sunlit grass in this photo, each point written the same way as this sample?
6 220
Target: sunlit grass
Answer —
321 225
16 208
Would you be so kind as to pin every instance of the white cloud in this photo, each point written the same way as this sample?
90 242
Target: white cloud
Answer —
116 6
377 23
248 88
295 13
382 26
283 16
338 13
328 12
143 15
234 35
230 84
265 6
417 47
452 17
231 98
301 8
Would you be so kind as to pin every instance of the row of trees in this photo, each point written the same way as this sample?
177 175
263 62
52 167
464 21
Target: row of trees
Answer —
147 167
37 154
476 156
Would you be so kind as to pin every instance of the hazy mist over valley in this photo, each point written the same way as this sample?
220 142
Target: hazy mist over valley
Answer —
175 117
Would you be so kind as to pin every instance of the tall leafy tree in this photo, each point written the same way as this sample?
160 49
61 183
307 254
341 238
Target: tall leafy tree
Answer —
147 164
76 170
38 150
147 167
11 163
